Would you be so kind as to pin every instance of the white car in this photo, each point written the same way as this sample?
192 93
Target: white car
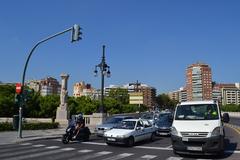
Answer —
130 131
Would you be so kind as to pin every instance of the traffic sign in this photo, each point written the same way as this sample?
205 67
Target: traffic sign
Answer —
18 88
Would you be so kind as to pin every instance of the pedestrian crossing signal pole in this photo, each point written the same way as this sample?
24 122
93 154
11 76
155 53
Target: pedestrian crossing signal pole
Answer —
75 37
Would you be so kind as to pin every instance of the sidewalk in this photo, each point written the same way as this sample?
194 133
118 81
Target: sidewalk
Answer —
9 137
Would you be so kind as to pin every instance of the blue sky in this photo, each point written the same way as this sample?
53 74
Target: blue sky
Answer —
149 41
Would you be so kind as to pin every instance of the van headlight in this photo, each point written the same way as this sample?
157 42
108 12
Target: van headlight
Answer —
174 131
217 132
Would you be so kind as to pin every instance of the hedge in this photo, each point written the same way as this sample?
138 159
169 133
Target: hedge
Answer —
231 108
29 126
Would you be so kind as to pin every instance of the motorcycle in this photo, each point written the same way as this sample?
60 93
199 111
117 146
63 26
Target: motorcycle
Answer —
83 134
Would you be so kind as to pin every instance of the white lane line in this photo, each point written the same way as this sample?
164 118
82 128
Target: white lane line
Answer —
85 151
155 148
39 145
25 144
95 143
52 147
174 158
119 156
58 140
169 146
16 153
148 157
232 151
92 156
39 154
67 149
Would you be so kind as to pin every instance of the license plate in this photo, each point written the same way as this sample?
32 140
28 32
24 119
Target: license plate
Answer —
185 139
194 148
111 139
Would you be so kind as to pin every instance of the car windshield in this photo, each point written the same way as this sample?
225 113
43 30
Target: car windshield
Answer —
147 116
163 117
127 125
113 120
197 112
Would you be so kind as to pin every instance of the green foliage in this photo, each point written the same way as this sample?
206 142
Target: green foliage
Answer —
29 126
164 101
6 126
48 106
231 108
7 100
119 94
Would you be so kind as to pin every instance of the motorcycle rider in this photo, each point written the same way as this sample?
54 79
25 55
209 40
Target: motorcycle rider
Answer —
80 124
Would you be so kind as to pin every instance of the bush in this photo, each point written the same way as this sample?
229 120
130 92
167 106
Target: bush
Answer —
231 108
29 126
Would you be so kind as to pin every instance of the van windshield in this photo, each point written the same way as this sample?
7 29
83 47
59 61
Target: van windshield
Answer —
197 112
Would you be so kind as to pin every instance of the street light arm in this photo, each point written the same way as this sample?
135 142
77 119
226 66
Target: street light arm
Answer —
24 73
42 41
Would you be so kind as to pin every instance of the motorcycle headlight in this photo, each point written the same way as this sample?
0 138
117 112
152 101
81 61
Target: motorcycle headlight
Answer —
174 131
217 132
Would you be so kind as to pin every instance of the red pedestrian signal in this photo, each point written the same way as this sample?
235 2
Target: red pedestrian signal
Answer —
18 88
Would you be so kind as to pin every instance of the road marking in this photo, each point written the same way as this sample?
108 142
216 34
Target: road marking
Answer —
85 151
232 151
16 153
155 148
95 143
25 144
52 147
92 156
147 157
174 158
67 149
235 129
39 145
59 140
169 146
14 149
119 156
31 156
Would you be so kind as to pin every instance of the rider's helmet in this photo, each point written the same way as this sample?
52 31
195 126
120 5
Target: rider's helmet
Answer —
79 117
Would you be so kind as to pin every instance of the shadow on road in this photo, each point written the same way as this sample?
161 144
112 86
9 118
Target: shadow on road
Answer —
229 149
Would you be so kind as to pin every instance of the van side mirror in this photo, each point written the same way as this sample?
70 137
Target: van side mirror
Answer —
225 117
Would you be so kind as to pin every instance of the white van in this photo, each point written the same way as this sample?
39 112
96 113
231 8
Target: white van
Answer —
198 128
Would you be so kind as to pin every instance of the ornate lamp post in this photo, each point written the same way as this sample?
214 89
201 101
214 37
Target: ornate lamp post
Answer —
105 71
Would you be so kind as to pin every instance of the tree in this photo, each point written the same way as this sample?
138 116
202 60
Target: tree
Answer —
48 105
7 101
120 94
164 101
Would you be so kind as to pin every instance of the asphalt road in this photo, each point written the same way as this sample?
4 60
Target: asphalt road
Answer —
96 149
235 121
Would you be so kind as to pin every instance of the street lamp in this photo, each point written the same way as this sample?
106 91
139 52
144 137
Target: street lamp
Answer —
105 71
76 33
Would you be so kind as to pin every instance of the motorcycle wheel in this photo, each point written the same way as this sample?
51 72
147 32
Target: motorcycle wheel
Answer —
65 139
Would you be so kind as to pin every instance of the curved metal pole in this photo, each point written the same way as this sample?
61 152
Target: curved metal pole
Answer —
23 77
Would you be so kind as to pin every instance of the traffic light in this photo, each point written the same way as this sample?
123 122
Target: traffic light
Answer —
17 99
76 33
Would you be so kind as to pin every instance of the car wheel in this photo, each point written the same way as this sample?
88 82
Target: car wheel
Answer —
110 144
153 136
174 151
130 142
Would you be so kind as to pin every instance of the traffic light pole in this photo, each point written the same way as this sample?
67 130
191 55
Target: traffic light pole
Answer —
22 102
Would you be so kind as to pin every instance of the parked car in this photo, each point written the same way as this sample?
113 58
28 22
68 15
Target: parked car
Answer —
130 131
109 124
163 123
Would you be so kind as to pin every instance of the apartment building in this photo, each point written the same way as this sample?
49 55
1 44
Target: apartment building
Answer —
199 82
